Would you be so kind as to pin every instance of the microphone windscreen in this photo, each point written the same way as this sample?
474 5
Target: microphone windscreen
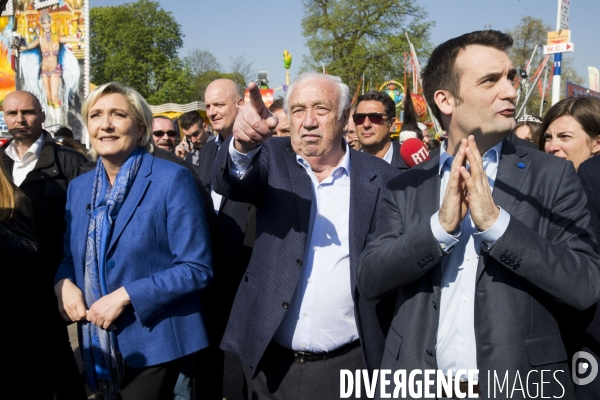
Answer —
413 151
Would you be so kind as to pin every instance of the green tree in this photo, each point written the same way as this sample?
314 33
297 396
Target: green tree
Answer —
352 37
239 64
205 68
201 61
136 44
526 35
176 87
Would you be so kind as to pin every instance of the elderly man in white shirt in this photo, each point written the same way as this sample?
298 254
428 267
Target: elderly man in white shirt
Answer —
297 318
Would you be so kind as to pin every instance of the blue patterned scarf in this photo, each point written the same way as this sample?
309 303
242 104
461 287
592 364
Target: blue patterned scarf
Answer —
104 367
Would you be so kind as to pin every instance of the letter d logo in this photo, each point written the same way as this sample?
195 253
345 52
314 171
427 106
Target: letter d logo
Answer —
583 367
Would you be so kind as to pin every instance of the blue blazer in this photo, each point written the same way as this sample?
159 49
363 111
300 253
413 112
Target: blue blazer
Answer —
159 251
282 192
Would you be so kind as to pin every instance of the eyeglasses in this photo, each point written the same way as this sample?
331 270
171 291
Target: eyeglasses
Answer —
375 118
163 133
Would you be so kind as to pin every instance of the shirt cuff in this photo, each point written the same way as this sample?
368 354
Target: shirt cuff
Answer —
445 240
240 162
490 236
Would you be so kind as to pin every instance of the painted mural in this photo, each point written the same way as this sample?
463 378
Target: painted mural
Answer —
7 73
42 51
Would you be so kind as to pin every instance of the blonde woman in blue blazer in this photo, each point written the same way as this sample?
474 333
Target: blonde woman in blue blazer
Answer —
133 262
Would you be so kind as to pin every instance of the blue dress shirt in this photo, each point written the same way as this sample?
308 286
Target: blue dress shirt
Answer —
456 346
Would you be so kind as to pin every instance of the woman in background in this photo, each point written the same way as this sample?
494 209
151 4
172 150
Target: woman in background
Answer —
529 127
21 296
571 129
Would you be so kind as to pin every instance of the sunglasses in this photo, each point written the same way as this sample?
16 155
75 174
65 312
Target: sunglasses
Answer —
375 118
163 133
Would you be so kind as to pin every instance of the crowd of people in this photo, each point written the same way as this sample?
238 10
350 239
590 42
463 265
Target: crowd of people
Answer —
303 240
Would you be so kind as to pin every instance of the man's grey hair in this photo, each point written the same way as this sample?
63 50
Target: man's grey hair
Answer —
343 90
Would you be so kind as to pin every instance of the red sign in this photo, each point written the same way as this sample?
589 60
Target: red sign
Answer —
267 96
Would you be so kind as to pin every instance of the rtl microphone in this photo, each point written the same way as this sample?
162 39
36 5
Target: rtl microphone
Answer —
413 151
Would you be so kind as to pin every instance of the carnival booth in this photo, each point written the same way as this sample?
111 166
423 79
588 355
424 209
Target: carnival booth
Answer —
174 111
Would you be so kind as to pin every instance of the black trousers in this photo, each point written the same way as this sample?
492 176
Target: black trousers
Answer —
67 382
150 383
208 373
282 378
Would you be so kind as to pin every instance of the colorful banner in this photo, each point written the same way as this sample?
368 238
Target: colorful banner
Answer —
267 96
7 74
51 40
594 77
574 90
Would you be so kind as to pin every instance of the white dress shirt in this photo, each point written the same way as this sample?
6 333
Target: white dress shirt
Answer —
389 154
321 314
22 167
456 347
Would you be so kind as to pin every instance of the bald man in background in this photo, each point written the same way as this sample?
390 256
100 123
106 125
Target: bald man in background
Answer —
222 98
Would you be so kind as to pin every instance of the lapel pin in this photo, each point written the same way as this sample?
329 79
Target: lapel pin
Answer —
521 165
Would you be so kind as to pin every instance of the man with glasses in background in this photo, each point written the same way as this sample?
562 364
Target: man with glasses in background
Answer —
164 133
374 119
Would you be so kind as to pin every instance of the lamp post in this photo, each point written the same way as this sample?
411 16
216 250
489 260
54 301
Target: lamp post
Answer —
562 22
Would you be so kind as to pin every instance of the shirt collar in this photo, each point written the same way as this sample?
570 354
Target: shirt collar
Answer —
493 154
344 165
389 155
35 149
219 141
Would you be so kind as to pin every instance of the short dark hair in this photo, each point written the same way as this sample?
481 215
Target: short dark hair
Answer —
64 132
190 119
584 109
440 73
277 105
388 104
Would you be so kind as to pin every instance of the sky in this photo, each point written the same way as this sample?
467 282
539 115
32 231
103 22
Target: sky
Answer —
263 29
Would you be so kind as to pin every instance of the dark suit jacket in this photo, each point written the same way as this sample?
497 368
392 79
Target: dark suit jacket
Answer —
544 260
233 249
589 174
282 192
159 253
397 160
517 141
585 329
